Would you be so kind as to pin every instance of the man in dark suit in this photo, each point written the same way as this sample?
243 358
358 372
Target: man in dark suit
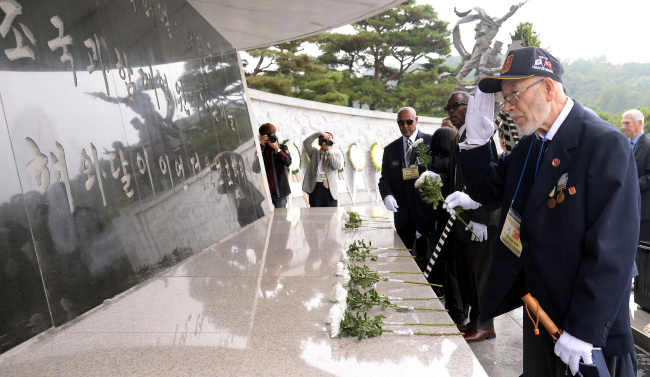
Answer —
570 212
471 257
399 170
632 125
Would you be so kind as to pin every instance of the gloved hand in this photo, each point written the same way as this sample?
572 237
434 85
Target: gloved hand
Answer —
390 203
417 235
480 230
479 118
459 198
570 349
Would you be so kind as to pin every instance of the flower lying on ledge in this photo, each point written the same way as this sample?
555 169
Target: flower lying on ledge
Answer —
361 326
364 277
352 220
358 300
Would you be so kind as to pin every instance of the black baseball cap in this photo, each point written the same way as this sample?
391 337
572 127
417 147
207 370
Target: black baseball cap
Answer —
522 63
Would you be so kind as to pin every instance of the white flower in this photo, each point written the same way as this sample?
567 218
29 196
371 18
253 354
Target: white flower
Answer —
340 267
420 181
339 294
346 217
417 142
346 277
345 259
334 318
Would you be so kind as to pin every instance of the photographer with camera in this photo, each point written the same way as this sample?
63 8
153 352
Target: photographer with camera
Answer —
276 157
320 180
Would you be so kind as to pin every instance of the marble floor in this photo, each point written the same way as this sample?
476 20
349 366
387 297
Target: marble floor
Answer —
255 304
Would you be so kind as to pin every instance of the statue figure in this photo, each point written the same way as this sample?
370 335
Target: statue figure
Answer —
490 63
486 30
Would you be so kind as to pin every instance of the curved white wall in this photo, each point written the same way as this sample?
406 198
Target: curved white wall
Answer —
296 119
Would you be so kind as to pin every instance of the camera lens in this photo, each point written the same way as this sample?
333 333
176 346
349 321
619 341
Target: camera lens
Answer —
273 138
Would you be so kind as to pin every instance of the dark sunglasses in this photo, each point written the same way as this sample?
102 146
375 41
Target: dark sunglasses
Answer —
329 143
408 121
454 106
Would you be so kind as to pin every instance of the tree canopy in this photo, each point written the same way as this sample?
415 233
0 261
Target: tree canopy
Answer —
389 61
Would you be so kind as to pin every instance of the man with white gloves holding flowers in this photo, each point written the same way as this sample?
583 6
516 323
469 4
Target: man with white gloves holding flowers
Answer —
570 212
399 170
471 255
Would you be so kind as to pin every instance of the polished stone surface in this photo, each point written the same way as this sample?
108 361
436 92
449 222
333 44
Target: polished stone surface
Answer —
246 306
112 113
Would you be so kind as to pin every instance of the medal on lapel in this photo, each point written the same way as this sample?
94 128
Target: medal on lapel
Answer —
551 200
561 185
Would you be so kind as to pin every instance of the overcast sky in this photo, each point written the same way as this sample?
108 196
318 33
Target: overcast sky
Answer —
571 29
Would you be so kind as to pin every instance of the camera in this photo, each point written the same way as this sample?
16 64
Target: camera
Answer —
322 140
272 138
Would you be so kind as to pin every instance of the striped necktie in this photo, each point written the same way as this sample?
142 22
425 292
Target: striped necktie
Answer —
409 152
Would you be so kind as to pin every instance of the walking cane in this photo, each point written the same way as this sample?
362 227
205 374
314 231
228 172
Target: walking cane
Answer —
597 369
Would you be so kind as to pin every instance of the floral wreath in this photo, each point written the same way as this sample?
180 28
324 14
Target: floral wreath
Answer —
296 162
356 156
377 155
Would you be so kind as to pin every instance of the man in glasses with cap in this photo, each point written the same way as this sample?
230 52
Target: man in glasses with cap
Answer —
399 170
570 212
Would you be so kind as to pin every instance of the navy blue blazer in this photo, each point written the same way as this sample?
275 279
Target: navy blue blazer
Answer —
407 196
642 157
578 258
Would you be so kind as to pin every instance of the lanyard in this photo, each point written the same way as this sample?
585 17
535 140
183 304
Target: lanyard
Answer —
526 163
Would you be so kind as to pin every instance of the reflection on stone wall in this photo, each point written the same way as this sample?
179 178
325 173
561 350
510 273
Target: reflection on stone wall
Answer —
115 114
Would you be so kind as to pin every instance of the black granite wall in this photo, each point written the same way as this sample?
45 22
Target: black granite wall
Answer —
126 147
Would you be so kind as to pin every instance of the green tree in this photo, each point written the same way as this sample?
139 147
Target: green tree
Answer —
526 35
384 50
285 69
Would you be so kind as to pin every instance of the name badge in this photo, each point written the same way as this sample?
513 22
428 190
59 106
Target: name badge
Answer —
511 232
323 175
410 173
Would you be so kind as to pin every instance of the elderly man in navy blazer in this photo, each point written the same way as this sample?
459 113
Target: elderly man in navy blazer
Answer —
632 126
399 170
570 212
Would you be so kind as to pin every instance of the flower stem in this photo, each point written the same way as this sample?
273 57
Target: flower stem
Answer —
401 272
462 221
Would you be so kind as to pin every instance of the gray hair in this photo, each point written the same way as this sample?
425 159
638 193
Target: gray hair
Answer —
464 95
636 115
407 108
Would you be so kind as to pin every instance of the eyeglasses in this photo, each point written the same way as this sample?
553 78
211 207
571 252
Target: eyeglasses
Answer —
514 97
454 106
408 122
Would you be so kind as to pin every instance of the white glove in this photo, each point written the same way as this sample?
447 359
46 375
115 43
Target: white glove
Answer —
570 349
417 235
480 230
390 203
479 118
459 198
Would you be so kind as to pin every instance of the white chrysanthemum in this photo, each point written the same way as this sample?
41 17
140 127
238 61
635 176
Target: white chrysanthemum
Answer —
340 267
335 317
417 142
345 277
345 259
339 294
421 179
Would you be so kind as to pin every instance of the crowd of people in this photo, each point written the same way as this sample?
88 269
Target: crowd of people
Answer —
559 218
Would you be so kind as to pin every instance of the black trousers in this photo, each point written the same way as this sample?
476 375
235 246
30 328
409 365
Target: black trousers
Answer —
321 197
